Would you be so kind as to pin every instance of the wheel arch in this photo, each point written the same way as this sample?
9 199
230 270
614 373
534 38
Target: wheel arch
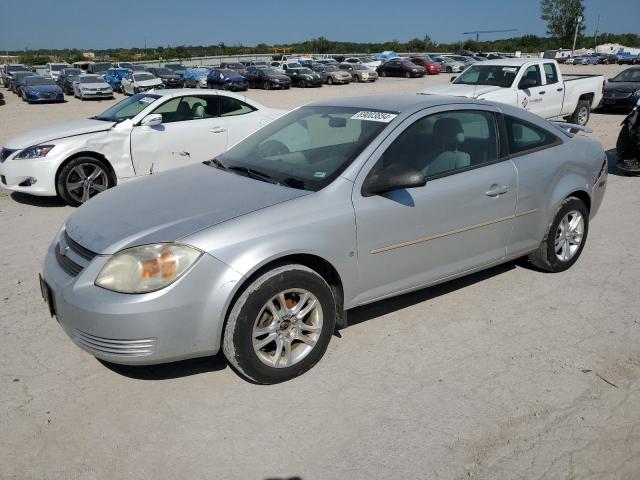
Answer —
320 265
86 153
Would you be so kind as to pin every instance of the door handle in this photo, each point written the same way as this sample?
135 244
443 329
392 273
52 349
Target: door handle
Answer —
542 92
496 190
559 89
218 130
184 154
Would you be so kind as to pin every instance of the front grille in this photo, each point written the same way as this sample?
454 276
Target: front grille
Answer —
68 265
111 346
79 249
5 153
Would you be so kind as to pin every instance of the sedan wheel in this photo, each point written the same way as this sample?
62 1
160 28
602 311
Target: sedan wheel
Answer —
407 74
565 237
281 325
303 84
329 80
383 73
81 179
266 85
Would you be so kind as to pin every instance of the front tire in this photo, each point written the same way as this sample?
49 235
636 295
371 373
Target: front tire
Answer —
281 325
565 237
82 178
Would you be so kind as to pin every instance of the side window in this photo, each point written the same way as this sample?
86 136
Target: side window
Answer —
532 73
445 142
550 73
231 106
523 136
183 109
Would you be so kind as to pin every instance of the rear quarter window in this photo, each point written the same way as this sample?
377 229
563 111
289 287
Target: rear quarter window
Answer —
523 136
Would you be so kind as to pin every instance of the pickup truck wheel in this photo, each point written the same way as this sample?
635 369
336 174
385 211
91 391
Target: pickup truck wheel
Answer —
281 325
565 237
581 114
82 178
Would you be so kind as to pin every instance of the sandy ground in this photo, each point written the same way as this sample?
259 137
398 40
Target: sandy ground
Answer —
510 373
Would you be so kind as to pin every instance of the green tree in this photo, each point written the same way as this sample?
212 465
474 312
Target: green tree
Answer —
561 17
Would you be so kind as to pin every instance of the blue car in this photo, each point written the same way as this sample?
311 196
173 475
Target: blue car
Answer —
38 89
114 77
225 79
195 77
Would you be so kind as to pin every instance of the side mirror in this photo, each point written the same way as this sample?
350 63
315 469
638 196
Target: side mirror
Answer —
452 79
394 177
151 120
526 83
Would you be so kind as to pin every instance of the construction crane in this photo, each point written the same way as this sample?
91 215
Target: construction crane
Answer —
478 32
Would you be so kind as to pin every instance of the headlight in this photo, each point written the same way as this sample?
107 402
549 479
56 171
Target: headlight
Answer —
146 268
636 93
35 152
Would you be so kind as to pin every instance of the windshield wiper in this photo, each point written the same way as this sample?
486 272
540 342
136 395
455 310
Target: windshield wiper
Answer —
246 171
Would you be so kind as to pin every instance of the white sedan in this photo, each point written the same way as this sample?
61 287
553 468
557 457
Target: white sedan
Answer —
141 135
136 82
91 86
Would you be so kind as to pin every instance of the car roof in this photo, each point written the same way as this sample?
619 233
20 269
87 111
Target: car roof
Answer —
513 62
397 103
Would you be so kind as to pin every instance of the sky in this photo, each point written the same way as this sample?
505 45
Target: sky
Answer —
98 24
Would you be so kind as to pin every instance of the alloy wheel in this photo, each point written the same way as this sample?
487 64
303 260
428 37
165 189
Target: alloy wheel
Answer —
287 328
85 181
569 235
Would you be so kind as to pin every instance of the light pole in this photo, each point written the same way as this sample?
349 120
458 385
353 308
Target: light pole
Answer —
575 34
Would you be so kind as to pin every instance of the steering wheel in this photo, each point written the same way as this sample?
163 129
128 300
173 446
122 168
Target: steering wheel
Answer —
272 148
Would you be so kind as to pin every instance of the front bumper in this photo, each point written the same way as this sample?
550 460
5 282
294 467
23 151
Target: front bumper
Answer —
34 176
183 320
39 99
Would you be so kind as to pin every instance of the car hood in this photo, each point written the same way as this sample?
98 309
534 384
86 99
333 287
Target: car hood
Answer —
169 206
94 85
148 83
459 90
45 88
62 130
622 86
236 78
282 77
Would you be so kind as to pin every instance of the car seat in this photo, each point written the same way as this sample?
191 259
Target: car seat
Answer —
198 111
183 112
449 136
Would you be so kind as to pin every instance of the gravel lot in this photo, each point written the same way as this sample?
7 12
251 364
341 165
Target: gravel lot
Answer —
510 373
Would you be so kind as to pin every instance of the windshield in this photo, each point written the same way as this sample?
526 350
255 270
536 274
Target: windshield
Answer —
56 67
306 148
229 73
38 81
359 66
234 65
494 75
306 71
630 75
71 71
270 71
91 79
101 67
127 108
138 68
331 68
164 71
366 59
125 65
143 76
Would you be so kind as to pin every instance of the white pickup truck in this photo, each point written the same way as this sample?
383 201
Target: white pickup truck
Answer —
533 84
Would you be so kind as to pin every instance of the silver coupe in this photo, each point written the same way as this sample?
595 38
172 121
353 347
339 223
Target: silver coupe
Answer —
260 251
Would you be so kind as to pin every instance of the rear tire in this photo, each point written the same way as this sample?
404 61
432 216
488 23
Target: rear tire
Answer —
549 256
266 85
383 73
407 74
329 80
582 113
287 355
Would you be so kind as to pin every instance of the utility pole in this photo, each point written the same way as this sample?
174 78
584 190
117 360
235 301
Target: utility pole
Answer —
595 37
575 35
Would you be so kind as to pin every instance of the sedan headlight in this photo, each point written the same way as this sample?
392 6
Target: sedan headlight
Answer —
146 268
36 151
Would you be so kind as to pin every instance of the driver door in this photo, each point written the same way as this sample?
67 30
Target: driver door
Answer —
191 132
533 98
459 221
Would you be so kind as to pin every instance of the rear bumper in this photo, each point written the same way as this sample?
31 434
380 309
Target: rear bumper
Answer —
181 321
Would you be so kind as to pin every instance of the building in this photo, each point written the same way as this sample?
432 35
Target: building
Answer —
90 55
